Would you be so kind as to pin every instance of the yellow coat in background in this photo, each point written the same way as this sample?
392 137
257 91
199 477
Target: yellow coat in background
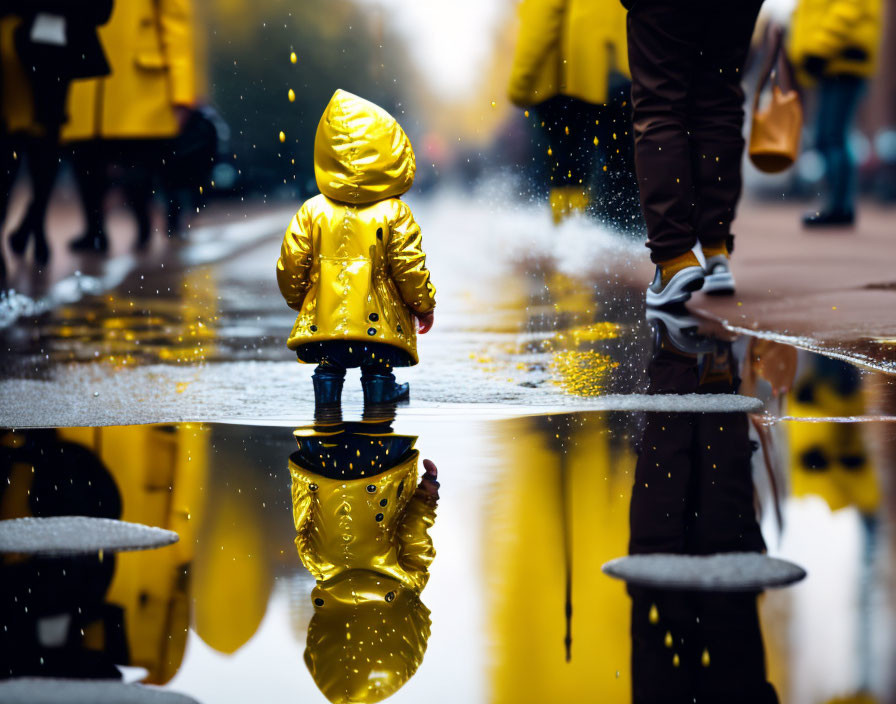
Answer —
845 32
16 101
352 262
568 47
150 48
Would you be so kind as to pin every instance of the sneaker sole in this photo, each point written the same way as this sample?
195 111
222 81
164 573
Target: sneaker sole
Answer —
678 290
721 284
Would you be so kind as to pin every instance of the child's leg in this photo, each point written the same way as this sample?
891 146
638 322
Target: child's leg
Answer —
328 378
378 382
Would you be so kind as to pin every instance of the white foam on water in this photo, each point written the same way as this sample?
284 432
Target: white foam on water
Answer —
71 535
51 690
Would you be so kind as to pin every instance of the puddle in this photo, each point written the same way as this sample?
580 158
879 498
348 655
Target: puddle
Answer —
293 581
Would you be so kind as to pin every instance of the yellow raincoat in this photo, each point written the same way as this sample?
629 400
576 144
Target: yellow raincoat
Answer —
568 47
352 262
845 32
150 47
17 104
365 541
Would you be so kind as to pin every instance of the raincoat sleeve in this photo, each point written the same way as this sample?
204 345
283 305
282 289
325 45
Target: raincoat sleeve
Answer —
415 548
301 510
294 264
541 22
176 26
407 262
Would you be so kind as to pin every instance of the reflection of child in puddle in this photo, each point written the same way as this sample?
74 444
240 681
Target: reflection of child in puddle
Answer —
352 262
361 520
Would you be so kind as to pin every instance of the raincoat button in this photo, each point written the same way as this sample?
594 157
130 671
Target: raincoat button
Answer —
379 517
371 488
373 317
371 331
379 233
313 328
384 502
390 596
398 328
312 487
318 602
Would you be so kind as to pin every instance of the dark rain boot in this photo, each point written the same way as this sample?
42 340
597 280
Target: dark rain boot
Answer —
327 395
382 389
90 242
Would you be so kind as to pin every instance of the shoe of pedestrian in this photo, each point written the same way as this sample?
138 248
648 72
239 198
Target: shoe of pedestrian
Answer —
829 218
677 327
675 280
89 242
717 277
382 389
18 239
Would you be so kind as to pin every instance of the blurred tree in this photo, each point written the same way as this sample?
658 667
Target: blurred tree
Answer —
337 45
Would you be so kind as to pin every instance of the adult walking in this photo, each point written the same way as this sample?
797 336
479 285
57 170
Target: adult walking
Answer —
834 44
49 43
127 118
686 58
570 67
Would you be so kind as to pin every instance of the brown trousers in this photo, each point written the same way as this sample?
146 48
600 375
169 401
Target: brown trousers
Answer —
686 59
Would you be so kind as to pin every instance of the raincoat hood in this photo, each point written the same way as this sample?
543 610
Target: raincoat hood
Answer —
367 637
361 154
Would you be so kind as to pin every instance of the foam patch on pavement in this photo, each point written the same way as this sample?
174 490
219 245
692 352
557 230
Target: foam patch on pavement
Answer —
73 535
724 572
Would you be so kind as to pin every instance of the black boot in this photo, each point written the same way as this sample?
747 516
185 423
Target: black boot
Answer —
89 242
18 238
829 218
327 389
381 388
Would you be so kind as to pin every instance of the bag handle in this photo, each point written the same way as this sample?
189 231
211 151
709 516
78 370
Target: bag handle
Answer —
775 57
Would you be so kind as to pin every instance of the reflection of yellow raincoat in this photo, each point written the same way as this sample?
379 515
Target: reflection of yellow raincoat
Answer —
845 32
568 47
150 47
351 262
365 541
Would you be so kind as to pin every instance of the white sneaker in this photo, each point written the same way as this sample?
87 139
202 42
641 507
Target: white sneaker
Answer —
679 288
719 281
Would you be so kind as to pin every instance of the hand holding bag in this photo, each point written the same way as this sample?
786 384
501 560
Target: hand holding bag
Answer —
775 131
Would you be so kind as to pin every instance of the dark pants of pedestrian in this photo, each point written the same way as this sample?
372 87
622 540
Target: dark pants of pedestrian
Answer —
569 128
693 488
838 99
686 58
334 357
716 652
133 164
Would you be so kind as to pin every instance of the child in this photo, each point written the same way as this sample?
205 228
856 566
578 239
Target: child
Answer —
351 262
362 522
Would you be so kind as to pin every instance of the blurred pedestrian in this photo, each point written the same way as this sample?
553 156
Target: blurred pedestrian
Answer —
352 261
834 44
571 68
686 58
48 43
128 118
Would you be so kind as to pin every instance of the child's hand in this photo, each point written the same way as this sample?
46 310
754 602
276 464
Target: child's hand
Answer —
425 321
430 484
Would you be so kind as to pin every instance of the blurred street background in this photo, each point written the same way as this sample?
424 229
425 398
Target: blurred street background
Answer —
140 321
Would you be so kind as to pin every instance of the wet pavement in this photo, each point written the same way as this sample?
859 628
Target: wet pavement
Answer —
569 428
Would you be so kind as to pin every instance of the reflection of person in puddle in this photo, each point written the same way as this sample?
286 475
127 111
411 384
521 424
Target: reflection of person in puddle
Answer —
361 522
693 494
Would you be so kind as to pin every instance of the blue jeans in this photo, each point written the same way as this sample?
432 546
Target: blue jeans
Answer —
838 100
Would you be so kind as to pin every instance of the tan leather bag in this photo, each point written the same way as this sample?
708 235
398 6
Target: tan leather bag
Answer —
776 129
